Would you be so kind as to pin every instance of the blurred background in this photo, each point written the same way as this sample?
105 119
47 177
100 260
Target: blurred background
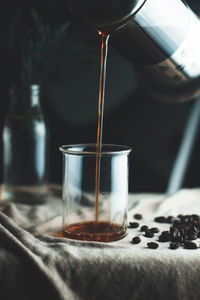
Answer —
70 95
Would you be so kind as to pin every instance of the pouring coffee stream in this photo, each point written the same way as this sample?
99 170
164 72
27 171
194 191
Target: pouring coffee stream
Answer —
104 53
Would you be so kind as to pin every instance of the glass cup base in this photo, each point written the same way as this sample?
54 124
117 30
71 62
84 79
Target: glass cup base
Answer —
100 231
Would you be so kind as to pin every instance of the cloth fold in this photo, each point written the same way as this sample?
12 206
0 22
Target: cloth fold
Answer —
36 263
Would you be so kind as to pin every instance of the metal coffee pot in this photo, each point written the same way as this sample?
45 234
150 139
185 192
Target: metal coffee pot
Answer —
160 37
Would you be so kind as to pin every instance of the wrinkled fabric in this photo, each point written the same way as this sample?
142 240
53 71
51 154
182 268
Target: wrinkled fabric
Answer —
35 263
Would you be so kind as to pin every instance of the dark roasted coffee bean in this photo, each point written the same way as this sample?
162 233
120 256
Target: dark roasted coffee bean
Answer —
152 245
185 220
196 217
190 245
165 236
170 219
178 239
192 236
136 240
154 229
182 232
138 216
175 238
163 239
195 229
174 245
190 231
185 241
186 217
165 232
144 228
148 234
174 235
133 225
173 230
176 223
160 219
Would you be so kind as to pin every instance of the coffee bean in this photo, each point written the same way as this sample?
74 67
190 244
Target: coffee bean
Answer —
154 230
152 245
173 230
190 231
136 240
185 220
160 219
192 236
133 225
196 217
165 232
175 235
170 219
194 228
138 216
194 223
190 245
176 223
165 236
148 234
144 228
182 232
163 239
174 245
178 239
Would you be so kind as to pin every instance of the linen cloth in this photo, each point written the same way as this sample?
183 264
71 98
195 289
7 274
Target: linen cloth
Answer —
36 263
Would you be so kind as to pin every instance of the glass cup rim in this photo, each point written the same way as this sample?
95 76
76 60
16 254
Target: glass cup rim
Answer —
79 149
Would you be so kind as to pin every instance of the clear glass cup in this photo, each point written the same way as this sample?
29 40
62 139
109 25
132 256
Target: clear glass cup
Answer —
95 192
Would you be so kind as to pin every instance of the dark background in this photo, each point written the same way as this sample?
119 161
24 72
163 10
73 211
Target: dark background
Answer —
153 129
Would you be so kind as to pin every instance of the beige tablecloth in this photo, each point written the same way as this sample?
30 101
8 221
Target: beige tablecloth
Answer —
35 264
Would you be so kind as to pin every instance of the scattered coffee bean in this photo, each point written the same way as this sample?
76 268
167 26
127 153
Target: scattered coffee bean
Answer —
194 228
178 239
185 221
136 240
138 216
165 236
163 239
160 219
176 223
144 228
196 217
170 219
133 225
173 230
154 229
192 236
190 245
183 230
152 245
174 246
149 234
